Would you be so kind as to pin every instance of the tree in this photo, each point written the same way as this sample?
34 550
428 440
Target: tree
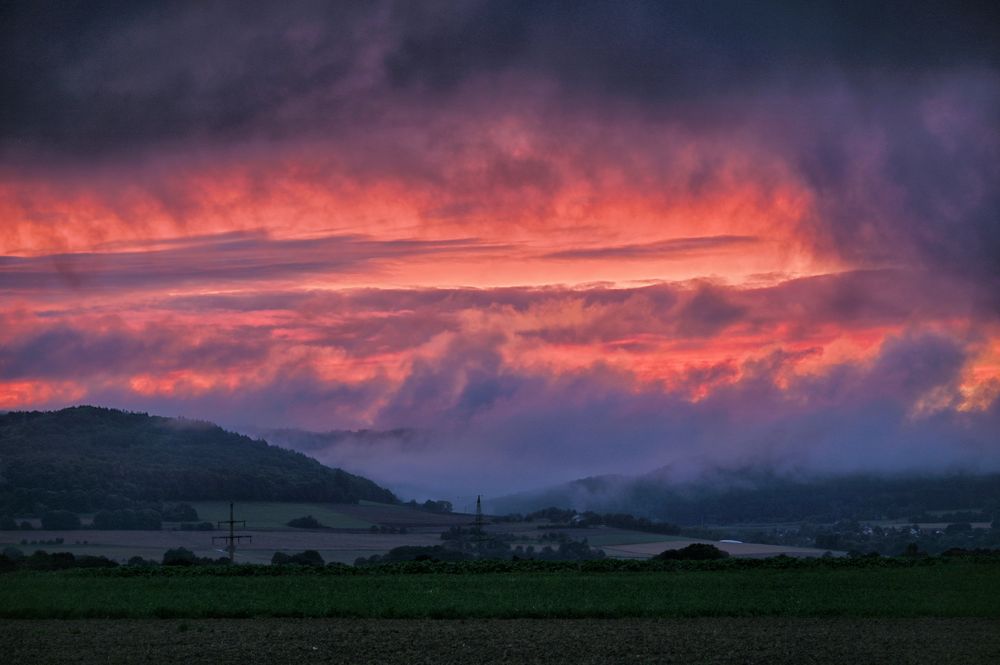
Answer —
697 551
306 558
180 556
438 506
307 522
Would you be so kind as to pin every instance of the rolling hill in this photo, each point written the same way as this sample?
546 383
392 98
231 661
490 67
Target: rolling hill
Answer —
88 458
761 495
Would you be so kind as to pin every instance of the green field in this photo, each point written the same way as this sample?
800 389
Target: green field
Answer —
266 514
952 589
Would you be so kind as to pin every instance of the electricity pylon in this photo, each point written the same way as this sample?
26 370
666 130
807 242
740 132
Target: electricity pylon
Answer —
232 538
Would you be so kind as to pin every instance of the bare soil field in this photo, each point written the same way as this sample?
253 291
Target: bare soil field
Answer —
580 642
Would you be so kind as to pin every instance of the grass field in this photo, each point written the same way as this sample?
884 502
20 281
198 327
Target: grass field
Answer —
725 641
262 514
400 515
952 589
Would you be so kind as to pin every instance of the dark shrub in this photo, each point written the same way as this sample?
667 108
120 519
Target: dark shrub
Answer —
697 551
88 561
307 558
179 556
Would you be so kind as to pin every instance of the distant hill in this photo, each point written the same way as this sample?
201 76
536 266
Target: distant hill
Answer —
88 458
760 495
328 443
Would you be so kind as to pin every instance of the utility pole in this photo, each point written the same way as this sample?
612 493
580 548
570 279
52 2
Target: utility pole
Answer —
232 538
478 534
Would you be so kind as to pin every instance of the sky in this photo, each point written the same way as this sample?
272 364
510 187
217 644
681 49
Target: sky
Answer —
538 240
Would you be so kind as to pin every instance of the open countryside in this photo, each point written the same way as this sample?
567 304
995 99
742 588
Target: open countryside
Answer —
556 332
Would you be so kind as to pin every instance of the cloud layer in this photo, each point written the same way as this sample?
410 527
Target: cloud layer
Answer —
548 239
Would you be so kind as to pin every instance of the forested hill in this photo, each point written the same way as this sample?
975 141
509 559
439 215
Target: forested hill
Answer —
758 495
87 458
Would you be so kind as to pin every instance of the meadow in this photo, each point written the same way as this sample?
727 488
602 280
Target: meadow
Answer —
839 588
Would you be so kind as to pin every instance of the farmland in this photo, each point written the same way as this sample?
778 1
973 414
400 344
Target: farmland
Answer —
344 547
261 514
731 611
347 536
578 641
892 588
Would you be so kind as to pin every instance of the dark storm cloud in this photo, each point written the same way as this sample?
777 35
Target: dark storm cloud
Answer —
887 111
674 51
85 79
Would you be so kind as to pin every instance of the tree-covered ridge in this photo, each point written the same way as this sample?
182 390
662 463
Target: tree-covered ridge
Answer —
760 495
88 458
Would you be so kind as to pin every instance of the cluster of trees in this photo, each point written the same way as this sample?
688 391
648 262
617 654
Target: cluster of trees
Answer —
12 559
144 519
306 558
693 552
416 553
307 522
860 537
571 550
181 556
430 506
570 517
8 523
492 545
86 459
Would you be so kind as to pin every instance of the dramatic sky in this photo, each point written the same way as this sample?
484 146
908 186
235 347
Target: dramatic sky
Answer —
547 239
